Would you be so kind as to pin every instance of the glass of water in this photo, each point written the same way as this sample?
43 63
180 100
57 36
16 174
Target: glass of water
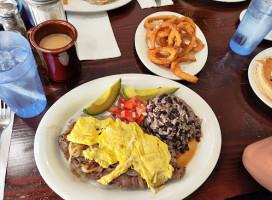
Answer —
20 84
255 25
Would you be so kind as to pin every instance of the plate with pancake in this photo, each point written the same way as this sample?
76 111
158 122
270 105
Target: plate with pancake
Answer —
85 6
142 43
258 76
55 169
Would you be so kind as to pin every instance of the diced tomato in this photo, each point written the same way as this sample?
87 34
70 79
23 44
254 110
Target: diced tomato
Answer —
130 110
128 114
113 108
140 110
125 115
117 112
144 102
118 115
141 103
140 119
130 104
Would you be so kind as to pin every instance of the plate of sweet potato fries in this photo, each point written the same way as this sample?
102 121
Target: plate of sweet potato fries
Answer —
171 45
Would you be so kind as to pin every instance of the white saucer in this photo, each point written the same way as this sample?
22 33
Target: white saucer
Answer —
260 56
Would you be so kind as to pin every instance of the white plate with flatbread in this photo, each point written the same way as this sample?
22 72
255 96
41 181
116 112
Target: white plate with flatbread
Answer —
261 56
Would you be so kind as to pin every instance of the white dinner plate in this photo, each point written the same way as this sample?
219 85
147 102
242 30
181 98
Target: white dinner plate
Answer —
55 170
84 6
142 42
260 56
269 35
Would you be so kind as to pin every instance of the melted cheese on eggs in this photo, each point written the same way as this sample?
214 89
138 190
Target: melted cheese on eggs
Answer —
125 144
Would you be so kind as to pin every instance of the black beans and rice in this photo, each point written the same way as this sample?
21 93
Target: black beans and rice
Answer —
173 121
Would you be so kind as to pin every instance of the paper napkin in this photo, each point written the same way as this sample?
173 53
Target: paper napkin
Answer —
152 3
95 36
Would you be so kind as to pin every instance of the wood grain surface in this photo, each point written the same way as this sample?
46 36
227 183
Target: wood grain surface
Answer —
223 84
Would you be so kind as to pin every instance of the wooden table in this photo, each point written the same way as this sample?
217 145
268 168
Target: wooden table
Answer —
223 83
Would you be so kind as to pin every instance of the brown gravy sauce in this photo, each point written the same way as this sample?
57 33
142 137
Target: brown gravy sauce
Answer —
184 158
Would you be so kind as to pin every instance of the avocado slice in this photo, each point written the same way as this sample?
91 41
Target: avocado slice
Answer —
105 100
147 94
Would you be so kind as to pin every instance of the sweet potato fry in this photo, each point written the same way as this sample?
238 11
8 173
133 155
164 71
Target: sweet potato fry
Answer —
178 72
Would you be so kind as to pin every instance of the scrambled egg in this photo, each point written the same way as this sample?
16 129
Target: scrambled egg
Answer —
126 144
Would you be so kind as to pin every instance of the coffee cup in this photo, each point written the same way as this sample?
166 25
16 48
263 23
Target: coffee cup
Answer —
54 41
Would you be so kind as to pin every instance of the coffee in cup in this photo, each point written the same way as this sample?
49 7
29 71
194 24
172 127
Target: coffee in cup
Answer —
55 41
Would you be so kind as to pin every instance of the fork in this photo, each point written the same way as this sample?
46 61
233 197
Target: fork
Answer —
4 116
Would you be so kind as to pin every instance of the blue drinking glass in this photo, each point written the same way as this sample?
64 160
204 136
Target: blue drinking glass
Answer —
255 25
20 85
